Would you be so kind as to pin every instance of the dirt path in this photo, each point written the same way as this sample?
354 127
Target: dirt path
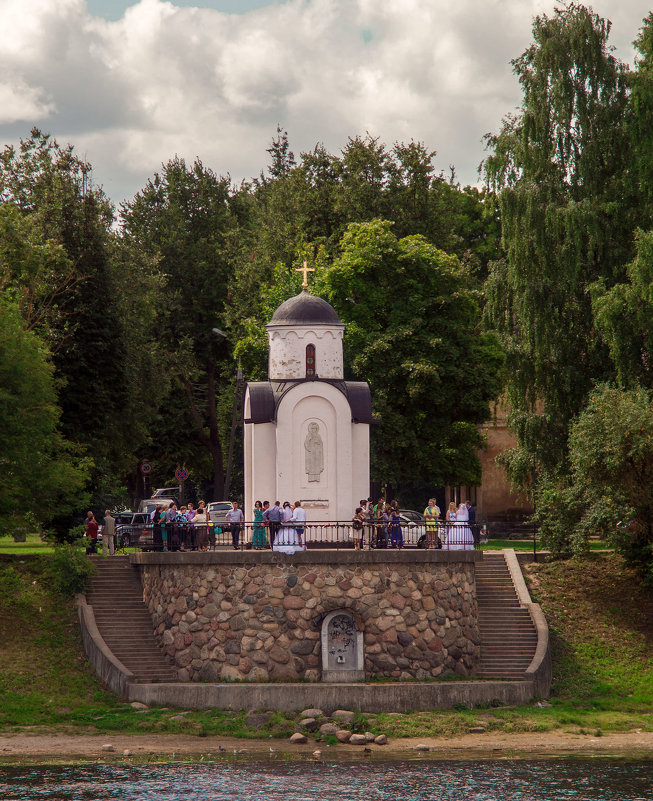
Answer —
65 747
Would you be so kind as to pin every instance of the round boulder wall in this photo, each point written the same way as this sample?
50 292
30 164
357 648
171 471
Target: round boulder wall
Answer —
254 616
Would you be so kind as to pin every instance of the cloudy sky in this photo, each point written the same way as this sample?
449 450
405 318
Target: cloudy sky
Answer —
131 84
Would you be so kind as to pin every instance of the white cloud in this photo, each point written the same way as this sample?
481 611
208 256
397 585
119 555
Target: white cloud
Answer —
165 80
22 103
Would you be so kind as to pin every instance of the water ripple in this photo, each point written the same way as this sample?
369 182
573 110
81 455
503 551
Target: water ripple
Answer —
502 780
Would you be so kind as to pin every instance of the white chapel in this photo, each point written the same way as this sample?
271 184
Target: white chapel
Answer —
306 429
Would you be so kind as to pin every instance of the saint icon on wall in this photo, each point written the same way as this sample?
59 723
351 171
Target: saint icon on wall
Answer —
314 452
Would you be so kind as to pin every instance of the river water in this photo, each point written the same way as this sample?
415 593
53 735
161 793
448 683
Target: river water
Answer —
569 779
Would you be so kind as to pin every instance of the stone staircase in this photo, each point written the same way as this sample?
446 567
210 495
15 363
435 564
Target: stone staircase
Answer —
508 636
124 621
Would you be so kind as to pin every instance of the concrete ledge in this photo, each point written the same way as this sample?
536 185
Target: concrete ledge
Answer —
107 666
311 557
397 697
540 671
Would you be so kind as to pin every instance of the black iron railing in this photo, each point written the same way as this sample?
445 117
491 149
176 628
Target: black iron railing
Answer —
314 534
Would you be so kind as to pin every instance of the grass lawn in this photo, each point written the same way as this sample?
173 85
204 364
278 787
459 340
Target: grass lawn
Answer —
33 545
600 617
527 545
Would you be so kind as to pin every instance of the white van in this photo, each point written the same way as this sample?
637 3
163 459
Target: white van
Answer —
149 504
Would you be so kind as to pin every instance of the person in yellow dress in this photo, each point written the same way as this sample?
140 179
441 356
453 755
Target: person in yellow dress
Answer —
432 516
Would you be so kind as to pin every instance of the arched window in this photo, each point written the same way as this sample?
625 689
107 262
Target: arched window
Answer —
310 361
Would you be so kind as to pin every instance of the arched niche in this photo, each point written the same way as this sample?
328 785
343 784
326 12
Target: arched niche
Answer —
342 647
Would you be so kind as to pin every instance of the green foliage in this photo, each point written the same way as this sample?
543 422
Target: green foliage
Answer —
413 332
40 471
69 570
624 317
182 221
611 479
59 258
568 209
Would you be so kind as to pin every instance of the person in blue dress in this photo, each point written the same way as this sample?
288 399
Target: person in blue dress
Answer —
396 537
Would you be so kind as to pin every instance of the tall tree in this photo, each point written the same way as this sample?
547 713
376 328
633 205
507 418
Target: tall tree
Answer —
183 219
413 331
40 472
567 206
56 243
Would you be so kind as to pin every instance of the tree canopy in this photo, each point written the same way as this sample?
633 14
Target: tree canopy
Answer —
414 332
39 470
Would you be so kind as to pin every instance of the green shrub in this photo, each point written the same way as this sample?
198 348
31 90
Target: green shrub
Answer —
69 570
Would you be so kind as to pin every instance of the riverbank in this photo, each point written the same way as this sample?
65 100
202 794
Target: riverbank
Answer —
57 747
600 618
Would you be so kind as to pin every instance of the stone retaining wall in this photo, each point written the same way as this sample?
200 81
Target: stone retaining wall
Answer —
257 616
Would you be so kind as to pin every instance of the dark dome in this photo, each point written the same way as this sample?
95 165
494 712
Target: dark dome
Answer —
305 309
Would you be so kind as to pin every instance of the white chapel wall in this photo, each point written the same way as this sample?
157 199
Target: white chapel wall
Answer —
287 359
331 498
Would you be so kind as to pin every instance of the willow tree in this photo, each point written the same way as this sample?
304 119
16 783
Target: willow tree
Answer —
560 168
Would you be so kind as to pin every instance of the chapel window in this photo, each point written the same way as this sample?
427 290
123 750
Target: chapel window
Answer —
310 361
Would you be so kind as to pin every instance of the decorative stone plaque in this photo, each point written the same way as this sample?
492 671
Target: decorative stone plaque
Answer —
342 648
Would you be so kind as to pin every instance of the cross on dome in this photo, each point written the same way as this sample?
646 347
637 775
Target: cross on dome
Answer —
306 270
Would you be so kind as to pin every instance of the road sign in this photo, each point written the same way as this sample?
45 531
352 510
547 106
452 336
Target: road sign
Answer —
146 468
181 474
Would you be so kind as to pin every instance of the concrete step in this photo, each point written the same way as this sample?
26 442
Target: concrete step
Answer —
508 636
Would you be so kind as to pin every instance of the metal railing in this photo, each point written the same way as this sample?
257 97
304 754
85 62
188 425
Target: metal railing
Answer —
314 534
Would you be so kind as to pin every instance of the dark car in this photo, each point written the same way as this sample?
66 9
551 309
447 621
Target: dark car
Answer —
134 530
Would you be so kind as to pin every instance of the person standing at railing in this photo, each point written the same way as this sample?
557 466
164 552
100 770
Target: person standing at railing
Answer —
275 516
396 536
464 538
181 522
155 519
201 529
235 518
287 539
450 531
357 522
432 516
299 519
163 522
190 517
472 518
259 540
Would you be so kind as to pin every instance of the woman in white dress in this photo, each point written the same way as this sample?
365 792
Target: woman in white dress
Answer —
288 540
461 537
450 529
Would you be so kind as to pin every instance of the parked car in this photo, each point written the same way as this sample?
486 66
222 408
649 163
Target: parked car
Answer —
412 515
217 512
413 532
134 530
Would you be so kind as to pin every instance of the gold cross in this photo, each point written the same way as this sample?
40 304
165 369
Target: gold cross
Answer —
306 270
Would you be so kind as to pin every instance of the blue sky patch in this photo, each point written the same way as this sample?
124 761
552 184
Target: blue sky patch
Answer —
115 9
